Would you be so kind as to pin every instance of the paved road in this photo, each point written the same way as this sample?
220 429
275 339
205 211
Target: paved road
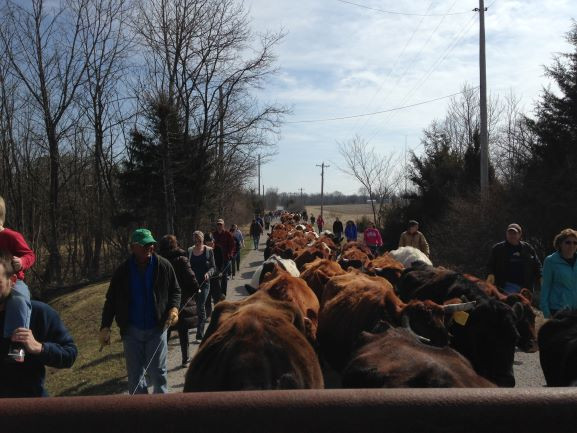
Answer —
235 292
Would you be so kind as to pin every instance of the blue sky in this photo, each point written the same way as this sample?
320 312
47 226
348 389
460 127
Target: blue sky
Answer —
339 60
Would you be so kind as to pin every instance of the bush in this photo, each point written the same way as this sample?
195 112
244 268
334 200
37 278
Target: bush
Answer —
363 223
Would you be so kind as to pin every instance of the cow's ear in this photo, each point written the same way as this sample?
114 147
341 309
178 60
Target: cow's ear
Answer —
518 311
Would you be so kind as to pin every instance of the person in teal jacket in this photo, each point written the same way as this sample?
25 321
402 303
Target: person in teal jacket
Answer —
559 285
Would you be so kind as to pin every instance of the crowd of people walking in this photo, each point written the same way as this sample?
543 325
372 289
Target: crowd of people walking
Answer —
162 287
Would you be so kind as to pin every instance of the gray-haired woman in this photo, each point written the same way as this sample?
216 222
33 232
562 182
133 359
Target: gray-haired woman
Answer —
201 258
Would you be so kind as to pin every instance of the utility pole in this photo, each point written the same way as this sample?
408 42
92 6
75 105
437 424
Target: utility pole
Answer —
484 137
301 190
258 174
221 148
322 166
406 171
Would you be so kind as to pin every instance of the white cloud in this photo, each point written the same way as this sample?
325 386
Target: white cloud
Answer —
339 60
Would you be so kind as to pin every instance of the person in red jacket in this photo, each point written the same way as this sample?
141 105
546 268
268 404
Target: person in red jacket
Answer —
224 239
320 223
372 238
18 306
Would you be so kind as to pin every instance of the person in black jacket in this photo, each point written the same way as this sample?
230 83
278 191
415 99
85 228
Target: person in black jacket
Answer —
338 230
47 343
144 297
513 264
188 317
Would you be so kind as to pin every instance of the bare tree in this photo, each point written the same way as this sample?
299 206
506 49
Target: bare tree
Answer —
375 172
201 58
43 46
106 46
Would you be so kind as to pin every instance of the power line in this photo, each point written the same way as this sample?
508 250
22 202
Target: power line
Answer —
416 56
378 112
402 13
435 64
394 67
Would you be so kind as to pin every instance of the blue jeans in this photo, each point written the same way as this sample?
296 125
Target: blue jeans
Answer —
201 309
139 347
18 309
256 240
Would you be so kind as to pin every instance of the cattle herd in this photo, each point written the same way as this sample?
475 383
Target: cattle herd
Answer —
325 315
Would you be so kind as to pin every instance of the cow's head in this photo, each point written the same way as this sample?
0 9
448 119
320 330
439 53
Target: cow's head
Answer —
488 338
426 319
524 321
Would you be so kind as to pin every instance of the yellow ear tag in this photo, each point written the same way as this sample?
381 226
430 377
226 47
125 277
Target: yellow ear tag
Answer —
461 317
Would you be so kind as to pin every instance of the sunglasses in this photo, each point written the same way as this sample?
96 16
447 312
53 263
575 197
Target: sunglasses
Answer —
570 242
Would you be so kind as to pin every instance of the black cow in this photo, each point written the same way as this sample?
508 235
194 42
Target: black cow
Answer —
489 334
558 349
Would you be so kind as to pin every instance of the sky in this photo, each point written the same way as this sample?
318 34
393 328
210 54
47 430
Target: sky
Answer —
339 59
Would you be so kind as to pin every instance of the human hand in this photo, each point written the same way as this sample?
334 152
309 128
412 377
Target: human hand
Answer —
172 317
206 277
26 338
17 263
104 337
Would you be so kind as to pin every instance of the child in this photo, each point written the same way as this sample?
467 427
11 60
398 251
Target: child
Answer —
18 306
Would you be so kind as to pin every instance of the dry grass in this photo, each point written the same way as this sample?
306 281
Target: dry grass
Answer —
344 211
94 373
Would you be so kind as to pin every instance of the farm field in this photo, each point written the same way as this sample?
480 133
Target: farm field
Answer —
343 211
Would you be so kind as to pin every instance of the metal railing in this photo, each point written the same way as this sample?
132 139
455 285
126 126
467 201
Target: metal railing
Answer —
332 411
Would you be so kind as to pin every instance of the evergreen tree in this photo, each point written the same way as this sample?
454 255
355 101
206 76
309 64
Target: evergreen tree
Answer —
546 190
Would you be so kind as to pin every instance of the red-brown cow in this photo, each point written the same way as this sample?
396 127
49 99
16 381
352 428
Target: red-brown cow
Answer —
318 273
396 359
357 303
257 343
282 286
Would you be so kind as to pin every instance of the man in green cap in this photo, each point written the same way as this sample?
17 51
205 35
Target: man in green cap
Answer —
144 297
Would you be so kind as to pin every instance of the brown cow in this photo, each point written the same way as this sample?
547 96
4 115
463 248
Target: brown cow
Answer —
387 267
257 343
309 254
318 273
396 359
282 286
357 303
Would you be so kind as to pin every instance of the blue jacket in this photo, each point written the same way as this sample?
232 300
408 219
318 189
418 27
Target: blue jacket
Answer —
351 232
559 286
59 351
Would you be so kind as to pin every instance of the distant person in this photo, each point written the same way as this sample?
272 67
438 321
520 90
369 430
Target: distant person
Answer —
305 216
224 240
239 245
312 220
255 231
215 294
351 231
18 307
513 263
47 343
189 291
372 238
559 286
201 258
338 229
267 219
412 237
260 220
143 297
320 223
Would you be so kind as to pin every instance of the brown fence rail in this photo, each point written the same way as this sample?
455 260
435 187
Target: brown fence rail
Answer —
451 410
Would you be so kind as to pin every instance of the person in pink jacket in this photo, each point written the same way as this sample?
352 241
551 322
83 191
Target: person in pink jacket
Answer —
372 238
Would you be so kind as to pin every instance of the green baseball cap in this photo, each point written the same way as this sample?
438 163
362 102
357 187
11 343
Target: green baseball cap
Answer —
142 237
